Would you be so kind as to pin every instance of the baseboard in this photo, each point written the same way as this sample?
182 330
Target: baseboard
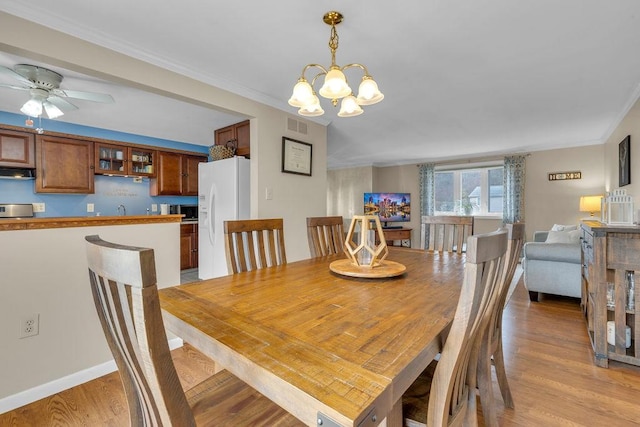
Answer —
17 400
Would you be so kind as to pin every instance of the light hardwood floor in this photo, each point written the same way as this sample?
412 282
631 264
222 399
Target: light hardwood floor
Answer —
547 354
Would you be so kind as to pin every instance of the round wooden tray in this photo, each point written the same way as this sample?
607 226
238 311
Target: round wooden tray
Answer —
385 269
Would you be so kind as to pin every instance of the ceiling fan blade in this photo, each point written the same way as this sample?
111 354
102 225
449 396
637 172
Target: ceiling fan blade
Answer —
87 96
62 104
14 87
9 72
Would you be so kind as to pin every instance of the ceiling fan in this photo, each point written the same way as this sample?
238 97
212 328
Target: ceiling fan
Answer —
45 93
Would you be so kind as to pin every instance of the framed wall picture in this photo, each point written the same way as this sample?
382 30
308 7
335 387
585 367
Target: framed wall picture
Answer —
296 156
624 162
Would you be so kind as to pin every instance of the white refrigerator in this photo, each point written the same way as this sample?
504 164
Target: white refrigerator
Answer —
223 194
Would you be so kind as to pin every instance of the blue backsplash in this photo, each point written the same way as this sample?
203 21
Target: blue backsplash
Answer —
110 191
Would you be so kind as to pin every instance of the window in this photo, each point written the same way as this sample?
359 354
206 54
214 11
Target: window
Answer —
469 191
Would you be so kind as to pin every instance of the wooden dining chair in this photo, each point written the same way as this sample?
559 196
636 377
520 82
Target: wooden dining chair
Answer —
252 244
491 343
445 393
445 233
123 283
325 235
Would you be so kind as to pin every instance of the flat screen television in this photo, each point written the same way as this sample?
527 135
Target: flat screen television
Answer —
390 207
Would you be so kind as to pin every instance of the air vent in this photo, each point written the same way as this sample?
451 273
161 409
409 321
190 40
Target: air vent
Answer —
294 125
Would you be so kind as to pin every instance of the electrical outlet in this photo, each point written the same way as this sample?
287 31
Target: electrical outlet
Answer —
90 207
38 207
154 208
29 326
268 193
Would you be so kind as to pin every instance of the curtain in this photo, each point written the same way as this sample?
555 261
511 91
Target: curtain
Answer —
427 188
427 173
513 189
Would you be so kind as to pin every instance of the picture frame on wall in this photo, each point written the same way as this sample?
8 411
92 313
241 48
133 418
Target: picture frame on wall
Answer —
296 156
624 162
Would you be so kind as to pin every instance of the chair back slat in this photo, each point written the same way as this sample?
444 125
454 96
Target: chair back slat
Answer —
450 399
254 243
123 284
325 235
445 233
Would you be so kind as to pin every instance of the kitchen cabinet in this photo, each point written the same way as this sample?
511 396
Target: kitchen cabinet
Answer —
238 132
188 246
176 175
64 165
610 302
124 160
17 149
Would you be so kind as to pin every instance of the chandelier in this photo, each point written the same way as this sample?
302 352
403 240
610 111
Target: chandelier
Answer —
335 85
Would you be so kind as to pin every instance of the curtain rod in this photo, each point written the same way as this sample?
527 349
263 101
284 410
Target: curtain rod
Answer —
462 162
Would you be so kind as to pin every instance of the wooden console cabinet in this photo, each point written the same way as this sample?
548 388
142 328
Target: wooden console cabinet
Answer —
610 254
391 235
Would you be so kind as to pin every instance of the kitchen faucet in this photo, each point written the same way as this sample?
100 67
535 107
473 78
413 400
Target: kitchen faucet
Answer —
124 210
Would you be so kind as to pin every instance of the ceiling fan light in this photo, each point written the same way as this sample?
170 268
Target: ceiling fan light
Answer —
368 92
302 94
335 85
53 112
32 108
349 107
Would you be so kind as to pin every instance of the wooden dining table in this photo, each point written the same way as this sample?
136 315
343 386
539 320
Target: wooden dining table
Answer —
328 348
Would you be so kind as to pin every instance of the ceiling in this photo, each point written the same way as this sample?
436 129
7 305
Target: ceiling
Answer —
461 78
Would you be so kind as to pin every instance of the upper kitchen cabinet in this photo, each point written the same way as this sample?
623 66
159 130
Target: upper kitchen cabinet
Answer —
64 165
17 149
239 133
177 174
124 160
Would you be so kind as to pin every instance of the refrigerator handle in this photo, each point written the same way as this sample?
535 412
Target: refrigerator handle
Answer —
212 214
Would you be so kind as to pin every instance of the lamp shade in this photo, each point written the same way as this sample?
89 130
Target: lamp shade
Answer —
302 94
590 204
368 92
335 85
349 107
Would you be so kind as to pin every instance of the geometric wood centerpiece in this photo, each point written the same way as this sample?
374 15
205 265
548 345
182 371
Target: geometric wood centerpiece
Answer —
365 253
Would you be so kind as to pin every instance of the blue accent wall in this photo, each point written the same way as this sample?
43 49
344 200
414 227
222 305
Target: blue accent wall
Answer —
110 191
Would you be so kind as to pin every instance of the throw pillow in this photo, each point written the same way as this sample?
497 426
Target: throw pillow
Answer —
560 227
572 236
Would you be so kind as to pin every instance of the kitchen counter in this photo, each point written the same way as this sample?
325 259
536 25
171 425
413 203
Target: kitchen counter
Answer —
81 221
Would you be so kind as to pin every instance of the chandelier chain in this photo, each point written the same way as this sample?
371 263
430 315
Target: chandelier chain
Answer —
333 44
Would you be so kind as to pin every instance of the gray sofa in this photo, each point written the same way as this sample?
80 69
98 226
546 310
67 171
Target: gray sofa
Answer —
551 268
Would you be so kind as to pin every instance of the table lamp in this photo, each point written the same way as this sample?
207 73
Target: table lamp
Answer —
590 204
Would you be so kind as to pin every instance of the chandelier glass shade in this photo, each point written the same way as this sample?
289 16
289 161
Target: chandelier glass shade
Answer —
335 86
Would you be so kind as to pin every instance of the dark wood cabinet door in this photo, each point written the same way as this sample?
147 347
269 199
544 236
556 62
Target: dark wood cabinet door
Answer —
242 135
169 176
225 134
64 165
188 246
190 174
17 149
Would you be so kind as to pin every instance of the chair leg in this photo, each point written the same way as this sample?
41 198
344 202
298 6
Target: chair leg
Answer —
485 389
501 374
533 296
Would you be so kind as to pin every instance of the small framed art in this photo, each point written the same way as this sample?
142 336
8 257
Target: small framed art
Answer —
296 156
624 163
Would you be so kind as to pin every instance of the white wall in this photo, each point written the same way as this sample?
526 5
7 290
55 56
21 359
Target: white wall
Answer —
557 202
630 125
45 272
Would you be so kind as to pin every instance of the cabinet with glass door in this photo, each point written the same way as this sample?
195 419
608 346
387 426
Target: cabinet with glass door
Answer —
124 160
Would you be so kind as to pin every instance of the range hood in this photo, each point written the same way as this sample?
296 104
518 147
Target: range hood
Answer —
17 173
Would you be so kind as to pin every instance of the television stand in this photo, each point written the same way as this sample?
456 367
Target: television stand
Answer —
393 234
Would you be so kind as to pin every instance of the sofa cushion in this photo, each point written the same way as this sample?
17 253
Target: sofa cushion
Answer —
559 252
563 237
560 227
